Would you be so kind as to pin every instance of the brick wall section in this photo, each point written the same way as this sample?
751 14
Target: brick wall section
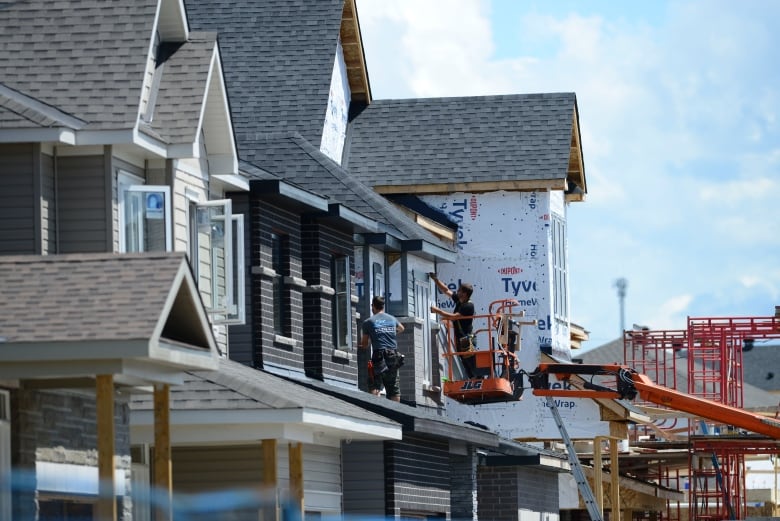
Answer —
504 490
267 219
497 492
463 485
61 428
409 344
538 490
319 243
417 471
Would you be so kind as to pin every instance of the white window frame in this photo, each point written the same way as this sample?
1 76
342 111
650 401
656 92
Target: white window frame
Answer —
129 183
343 261
232 310
560 281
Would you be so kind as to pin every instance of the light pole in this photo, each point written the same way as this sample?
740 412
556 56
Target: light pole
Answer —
622 284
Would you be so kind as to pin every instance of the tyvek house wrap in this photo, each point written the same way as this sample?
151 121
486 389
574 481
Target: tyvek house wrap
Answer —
505 249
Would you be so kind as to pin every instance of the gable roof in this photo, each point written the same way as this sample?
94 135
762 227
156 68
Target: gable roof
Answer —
278 58
84 58
479 143
296 160
135 315
181 96
239 403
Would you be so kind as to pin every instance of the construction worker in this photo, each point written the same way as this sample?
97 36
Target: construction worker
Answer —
381 330
462 320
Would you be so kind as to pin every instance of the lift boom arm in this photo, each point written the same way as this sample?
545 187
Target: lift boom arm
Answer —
630 383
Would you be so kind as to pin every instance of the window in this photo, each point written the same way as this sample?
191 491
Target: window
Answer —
379 280
422 310
279 245
217 257
396 298
560 273
144 215
342 305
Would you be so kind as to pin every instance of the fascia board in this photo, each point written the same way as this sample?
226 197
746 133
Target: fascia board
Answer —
235 181
295 424
129 371
278 187
444 430
183 151
34 135
425 247
362 222
383 239
72 351
223 164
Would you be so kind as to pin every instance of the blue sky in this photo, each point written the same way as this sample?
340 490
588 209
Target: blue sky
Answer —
679 106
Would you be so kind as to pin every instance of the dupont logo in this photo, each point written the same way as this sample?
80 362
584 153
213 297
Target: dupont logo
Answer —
510 270
473 207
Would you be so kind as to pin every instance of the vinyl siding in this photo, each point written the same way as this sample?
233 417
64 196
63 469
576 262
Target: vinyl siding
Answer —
17 215
81 187
364 478
241 335
199 469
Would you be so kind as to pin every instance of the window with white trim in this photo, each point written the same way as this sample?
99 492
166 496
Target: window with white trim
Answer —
144 215
560 270
342 305
217 258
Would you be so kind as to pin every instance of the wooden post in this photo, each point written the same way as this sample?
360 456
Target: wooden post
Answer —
106 505
270 479
269 463
614 472
296 473
163 479
598 485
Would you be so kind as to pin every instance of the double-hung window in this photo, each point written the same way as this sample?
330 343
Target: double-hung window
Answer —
342 305
217 257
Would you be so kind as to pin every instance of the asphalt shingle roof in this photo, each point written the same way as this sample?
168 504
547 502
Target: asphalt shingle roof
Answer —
84 297
87 57
761 365
296 160
278 58
180 98
410 417
236 386
462 139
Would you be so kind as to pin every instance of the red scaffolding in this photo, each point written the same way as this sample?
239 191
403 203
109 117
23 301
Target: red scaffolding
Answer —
713 349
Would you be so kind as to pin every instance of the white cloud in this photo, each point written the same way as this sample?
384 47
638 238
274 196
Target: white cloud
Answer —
679 121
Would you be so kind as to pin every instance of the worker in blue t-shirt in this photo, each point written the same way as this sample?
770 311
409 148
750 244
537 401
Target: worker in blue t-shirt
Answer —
381 330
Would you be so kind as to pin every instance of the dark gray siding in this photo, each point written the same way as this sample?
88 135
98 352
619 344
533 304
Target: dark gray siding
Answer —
240 336
81 187
17 199
418 475
504 490
364 477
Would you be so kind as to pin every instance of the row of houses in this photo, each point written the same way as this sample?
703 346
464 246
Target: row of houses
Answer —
197 202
